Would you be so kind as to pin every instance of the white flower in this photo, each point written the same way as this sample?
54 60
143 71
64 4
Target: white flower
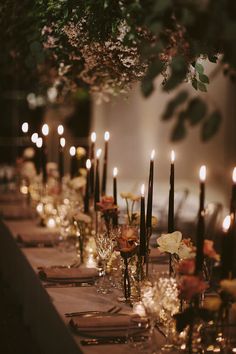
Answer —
28 170
28 153
185 252
77 183
170 242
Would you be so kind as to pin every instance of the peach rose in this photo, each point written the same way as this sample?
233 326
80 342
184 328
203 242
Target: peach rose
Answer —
209 251
191 285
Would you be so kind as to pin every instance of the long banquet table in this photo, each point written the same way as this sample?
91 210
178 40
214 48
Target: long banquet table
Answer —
44 308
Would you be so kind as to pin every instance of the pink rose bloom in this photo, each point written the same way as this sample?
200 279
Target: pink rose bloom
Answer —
191 285
209 251
186 266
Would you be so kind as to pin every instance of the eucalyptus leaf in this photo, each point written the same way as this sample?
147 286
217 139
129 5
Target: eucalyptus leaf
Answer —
199 68
204 78
211 126
201 86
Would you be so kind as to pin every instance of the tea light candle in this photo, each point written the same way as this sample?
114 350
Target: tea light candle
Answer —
51 223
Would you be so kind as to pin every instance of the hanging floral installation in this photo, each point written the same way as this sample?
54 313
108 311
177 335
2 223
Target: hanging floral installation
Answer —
107 45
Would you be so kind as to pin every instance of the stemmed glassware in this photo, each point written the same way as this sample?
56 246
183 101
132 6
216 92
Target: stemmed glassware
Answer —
105 247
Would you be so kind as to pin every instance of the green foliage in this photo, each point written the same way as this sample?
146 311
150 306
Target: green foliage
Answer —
171 37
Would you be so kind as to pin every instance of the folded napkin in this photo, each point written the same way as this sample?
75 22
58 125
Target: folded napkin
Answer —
108 323
10 197
14 212
68 275
35 238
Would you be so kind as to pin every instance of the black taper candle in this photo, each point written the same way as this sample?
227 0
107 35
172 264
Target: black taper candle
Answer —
115 171
226 249
104 174
87 190
171 209
143 241
233 195
97 181
92 158
44 162
45 132
61 158
72 162
201 222
150 194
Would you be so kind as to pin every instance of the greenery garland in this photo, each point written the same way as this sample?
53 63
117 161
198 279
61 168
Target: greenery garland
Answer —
107 45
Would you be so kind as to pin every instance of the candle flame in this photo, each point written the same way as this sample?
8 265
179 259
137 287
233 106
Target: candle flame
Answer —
93 137
34 137
106 136
45 129
115 171
60 129
226 223
152 154
172 156
62 142
234 175
98 153
25 127
72 151
39 142
88 164
202 173
142 190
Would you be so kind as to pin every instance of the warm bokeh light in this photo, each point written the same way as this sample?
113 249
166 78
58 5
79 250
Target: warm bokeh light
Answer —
45 129
34 137
88 164
60 129
115 171
226 223
106 136
39 142
62 142
142 190
72 151
93 137
234 175
172 156
98 153
202 173
25 127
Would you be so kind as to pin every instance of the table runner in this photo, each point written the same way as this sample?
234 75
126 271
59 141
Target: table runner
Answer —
44 309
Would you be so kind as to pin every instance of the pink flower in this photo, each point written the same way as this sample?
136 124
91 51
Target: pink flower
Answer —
191 285
107 204
209 251
186 266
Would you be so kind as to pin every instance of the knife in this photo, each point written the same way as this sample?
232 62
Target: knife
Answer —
114 340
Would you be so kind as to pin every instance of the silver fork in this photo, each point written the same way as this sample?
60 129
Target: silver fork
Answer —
114 309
